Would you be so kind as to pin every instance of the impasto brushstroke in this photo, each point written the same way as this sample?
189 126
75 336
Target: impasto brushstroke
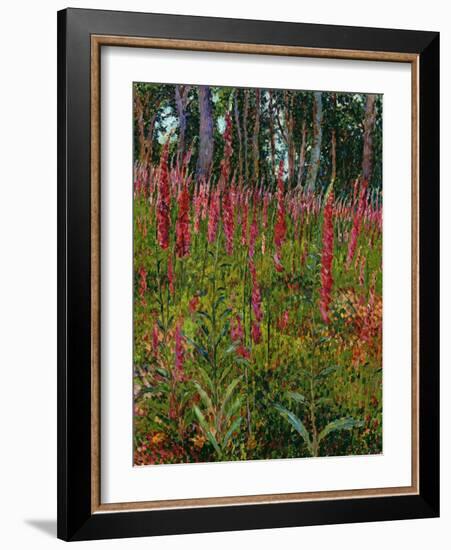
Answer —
257 273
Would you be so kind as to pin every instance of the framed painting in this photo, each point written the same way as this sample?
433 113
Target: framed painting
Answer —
248 274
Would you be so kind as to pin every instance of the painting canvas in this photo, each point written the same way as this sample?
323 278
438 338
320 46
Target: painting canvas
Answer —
257 282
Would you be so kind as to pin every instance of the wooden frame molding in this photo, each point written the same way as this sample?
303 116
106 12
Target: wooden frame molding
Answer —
97 41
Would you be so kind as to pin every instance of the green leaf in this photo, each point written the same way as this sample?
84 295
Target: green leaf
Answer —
328 370
298 397
162 372
206 429
323 401
232 348
227 311
219 300
225 372
228 394
340 424
200 350
204 396
204 314
232 429
234 407
297 425
206 377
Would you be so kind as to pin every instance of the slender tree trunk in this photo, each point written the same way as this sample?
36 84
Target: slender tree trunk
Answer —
272 135
302 154
317 137
368 126
333 156
245 113
145 139
148 144
181 98
206 144
240 139
289 121
255 147
139 117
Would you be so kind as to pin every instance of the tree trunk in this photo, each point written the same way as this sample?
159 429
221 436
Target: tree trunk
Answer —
368 126
255 147
289 121
317 137
205 156
145 139
181 99
302 154
333 157
245 113
240 139
272 135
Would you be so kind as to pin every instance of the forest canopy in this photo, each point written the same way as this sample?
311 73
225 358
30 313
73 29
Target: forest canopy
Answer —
319 135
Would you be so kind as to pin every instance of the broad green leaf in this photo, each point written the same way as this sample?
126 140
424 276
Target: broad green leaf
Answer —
206 429
328 370
228 394
204 396
298 397
225 372
340 424
232 429
202 351
162 372
297 424
205 377
234 407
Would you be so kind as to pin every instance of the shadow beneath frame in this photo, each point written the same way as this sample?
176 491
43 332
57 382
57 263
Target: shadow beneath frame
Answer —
46 526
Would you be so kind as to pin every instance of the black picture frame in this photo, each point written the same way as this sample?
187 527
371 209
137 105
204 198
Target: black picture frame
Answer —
75 518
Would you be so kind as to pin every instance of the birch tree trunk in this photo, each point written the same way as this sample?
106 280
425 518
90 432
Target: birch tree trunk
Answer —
181 99
255 147
206 144
315 155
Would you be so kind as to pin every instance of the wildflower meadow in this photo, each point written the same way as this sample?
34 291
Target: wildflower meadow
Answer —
257 274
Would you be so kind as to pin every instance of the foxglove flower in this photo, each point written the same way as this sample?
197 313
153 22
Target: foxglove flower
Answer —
228 220
213 216
326 259
182 227
163 201
280 228
357 222
142 284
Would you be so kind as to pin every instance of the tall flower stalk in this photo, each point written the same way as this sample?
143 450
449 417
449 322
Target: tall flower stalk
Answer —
213 216
327 259
280 228
164 200
182 227
357 221
256 301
